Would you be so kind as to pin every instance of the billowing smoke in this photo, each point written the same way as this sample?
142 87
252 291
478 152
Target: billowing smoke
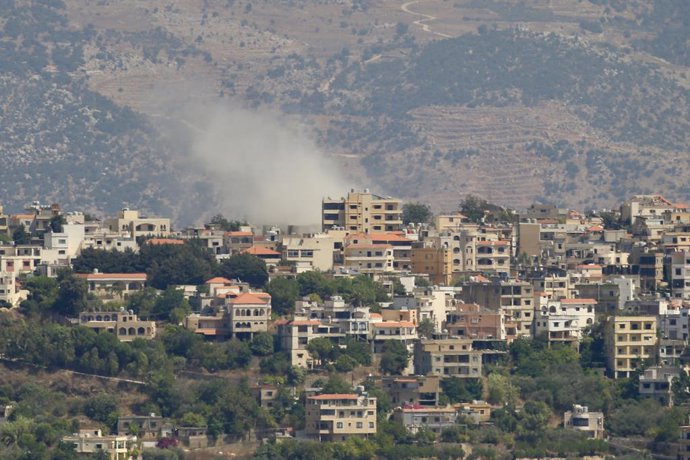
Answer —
264 169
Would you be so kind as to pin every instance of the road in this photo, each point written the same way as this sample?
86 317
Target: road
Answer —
424 19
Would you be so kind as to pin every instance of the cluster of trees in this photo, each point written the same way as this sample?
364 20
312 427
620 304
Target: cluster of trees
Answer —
353 354
169 264
360 290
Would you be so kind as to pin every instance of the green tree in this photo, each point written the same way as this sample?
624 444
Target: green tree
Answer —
262 344
416 212
321 349
20 235
394 357
284 292
462 390
72 297
245 267
224 224
426 328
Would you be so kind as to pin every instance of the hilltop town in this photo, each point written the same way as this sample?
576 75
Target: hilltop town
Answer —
479 333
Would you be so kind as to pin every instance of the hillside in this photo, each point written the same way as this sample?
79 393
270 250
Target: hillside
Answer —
426 100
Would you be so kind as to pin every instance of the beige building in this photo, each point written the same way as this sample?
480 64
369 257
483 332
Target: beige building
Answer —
447 358
124 324
369 258
336 417
296 334
362 212
417 418
10 292
129 221
93 441
249 313
629 341
421 390
581 419
316 250
113 286
515 299
436 262
449 221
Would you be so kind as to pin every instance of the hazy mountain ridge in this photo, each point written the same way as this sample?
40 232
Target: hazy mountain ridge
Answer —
404 110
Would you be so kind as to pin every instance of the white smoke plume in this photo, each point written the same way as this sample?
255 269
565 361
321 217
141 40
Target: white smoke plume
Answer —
264 169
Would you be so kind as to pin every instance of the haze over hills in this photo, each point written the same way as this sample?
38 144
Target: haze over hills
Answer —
577 103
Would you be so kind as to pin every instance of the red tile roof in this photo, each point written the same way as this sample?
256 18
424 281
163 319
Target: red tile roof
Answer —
251 298
218 280
239 234
261 251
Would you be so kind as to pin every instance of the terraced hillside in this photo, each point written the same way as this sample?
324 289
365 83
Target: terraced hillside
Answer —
575 102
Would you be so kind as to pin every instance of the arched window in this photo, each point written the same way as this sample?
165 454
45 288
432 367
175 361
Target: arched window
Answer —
132 331
141 331
122 331
98 318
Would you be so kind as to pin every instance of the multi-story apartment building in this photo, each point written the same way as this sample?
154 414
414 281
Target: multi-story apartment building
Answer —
10 294
399 331
416 390
515 299
362 212
646 206
337 417
416 418
89 441
656 381
434 261
432 303
629 341
369 258
130 222
113 286
295 335
315 250
470 321
581 419
673 324
680 274
447 358
124 324
248 314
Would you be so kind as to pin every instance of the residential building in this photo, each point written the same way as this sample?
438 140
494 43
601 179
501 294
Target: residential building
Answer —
362 212
248 314
629 341
130 222
113 286
416 418
316 250
269 256
145 427
680 275
295 335
447 358
398 331
656 381
434 261
337 417
478 411
471 321
581 419
91 441
11 293
515 299
124 324
415 390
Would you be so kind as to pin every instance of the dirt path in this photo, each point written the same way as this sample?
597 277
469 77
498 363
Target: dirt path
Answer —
425 18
